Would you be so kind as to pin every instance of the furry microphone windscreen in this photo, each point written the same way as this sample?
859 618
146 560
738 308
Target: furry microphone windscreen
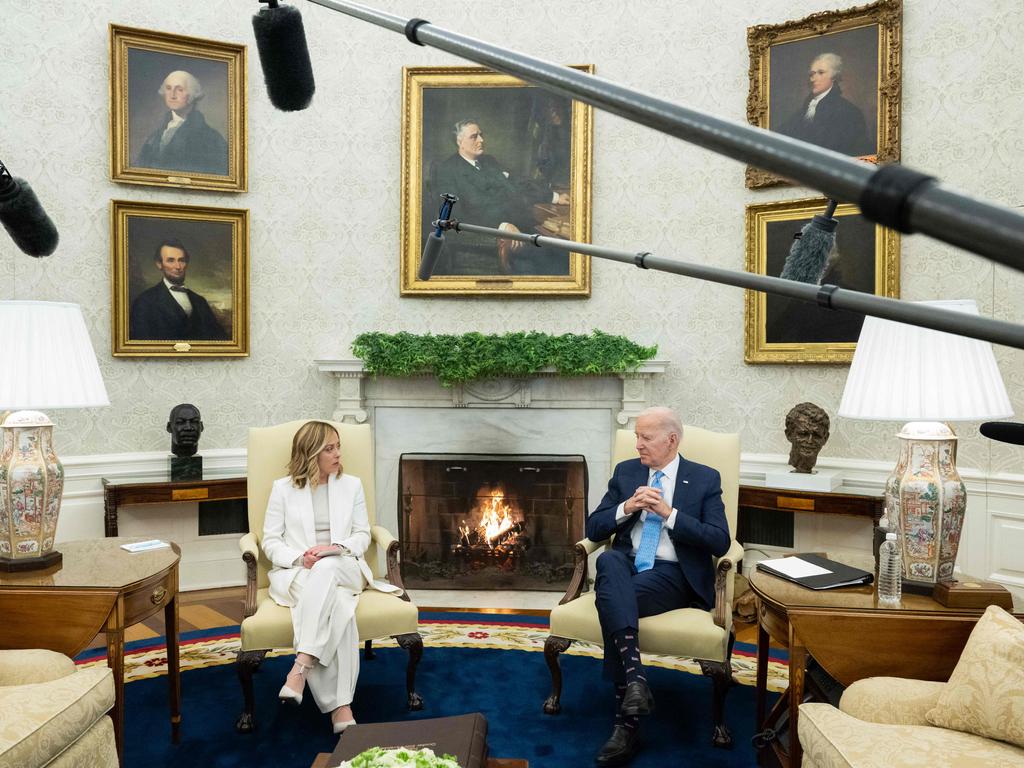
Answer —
25 220
284 57
808 256
431 251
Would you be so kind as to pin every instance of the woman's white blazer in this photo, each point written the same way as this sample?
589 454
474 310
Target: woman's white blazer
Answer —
288 530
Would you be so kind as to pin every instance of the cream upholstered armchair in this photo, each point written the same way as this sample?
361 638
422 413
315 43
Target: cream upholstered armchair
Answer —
54 714
268 625
706 636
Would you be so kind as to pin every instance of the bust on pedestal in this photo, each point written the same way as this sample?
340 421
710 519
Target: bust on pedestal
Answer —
807 429
185 426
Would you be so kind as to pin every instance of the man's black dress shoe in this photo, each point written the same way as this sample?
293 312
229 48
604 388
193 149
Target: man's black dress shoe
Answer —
620 748
637 700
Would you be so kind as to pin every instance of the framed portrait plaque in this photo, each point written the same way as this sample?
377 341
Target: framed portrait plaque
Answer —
177 111
779 329
518 158
179 280
833 79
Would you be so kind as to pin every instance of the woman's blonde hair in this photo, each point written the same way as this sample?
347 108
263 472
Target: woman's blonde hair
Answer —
307 444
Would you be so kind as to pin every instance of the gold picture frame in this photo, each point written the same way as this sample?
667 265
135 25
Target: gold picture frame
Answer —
157 249
867 44
778 329
159 136
535 172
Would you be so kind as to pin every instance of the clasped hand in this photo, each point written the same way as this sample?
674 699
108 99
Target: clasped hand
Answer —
651 499
311 555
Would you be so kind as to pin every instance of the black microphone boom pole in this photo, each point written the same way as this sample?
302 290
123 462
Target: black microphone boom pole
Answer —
827 296
893 195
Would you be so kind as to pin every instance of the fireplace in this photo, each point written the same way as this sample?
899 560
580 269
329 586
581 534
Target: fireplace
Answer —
490 521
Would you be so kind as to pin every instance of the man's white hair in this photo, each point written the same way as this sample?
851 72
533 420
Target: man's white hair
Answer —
461 126
834 61
667 419
192 86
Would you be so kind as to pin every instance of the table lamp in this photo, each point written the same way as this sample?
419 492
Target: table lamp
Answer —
48 363
924 377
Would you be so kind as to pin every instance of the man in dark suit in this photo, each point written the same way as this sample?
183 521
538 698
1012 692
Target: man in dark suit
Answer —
488 195
826 118
183 141
668 519
169 311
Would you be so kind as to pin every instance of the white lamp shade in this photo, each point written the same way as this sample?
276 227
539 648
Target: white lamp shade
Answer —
905 373
48 358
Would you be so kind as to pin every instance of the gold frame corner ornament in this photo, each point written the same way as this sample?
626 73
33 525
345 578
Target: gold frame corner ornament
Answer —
756 348
415 80
232 55
121 343
888 15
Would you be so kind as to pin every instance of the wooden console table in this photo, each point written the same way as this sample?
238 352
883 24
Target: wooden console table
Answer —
851 638
99 588
842 501
160 489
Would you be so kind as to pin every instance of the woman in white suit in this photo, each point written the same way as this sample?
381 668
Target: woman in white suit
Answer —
315 533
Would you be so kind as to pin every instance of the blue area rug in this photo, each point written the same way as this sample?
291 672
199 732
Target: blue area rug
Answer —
507 686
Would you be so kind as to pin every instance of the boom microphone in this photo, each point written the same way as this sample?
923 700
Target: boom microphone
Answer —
808 256
435 240
24 218
284 56
1004 431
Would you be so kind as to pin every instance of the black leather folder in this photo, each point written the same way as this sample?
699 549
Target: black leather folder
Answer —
839 574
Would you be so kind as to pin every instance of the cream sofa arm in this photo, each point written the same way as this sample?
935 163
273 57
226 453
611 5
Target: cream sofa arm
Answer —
382 536
33 665
249 544
891 700
250 549
583 549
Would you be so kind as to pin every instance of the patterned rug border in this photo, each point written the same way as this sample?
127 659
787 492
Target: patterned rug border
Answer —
213 647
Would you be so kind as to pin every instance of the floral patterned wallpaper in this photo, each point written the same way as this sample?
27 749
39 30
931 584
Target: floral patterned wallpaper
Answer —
317 280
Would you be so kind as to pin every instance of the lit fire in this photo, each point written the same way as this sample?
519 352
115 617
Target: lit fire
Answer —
494 518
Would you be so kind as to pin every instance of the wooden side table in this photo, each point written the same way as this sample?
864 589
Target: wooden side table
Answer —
100 588
852 638
160 489
838 502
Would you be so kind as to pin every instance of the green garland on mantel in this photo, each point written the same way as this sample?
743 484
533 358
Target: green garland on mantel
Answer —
455 359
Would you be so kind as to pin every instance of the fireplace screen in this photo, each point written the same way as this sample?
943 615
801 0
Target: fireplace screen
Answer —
474 521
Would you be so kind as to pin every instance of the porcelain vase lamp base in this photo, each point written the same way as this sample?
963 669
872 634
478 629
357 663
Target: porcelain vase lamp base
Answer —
926 501
31 486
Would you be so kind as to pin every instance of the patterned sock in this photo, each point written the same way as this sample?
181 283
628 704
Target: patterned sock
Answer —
631 722
629 651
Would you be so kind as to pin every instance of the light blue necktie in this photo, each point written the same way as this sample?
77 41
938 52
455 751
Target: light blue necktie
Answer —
650 535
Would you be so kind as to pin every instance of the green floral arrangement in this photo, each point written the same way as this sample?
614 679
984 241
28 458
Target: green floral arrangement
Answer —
378 757
455 359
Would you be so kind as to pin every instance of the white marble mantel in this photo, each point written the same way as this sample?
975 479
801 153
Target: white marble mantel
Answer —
359 392
540 414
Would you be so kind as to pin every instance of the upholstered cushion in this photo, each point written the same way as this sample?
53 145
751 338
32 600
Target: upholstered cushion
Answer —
41 720
985 693
834 739
893 700
378 615
686 631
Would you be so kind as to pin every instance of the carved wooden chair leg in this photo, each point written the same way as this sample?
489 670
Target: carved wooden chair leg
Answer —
721 679
368 652
413 643
553 646
247 663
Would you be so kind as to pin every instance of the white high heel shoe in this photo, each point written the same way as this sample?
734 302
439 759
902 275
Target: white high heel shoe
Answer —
286 694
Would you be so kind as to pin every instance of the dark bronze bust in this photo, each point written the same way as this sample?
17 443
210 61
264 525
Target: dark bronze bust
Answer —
185 426
807 429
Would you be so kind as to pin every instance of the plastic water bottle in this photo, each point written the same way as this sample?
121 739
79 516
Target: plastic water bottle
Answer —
890 572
